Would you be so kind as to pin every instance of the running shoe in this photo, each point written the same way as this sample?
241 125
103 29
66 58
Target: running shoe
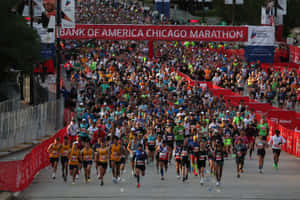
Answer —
73 183
162 178
274 165
217 183
53 176
89 180
65 178
119 179
238 176
178 177
101 183
132 172
201 181
138 185
115 181
77 176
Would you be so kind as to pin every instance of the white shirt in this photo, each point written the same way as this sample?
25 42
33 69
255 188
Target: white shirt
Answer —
277 141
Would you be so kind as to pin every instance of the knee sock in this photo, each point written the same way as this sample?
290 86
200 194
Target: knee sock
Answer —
138 178
162 172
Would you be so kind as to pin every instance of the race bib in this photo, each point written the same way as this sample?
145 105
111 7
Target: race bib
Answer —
276 145
162 156
184 153
87 158
169 138
196 149
103 158
202 158
74 158
65 153
140 162
218 157
239 153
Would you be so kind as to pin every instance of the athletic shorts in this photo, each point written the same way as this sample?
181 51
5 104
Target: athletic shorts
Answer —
102 164
264 138
117 162
239 160
185 162
64 159
251 139
164 161
123 160
171 145
261 152
219 162
53 160
179 142
151 148
178 161
73 167
277 151
86 163
201 164
141 167
227 142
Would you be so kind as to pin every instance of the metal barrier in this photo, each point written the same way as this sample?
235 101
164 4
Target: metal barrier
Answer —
11 105
29 124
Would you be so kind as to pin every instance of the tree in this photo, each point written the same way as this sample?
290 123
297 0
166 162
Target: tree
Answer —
20 44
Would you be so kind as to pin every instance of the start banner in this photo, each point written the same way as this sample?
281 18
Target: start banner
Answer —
152 33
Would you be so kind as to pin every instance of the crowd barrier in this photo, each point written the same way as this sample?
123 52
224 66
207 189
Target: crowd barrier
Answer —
281 66
288 122
17 175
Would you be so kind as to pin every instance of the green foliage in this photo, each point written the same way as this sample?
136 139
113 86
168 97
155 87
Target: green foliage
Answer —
19 43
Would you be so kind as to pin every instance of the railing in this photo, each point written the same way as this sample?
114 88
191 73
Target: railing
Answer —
26 125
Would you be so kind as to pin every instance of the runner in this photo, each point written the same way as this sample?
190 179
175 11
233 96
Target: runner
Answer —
158 143
251 133
202 161
74 161
261 152
178 160
195 156
139 158
240 150
87 157
263 128
185 159
53 151
101 159
276 141
64 157
132 147
162 152
170 142
228 139
116 152
151 145
219 161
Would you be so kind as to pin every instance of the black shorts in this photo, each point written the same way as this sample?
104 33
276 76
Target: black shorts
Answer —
123 160
86 163
178 161
171 145
140 167
277 151
102 164
151 148
264 138
261 152
179 142
201 164
239 160
64 159
73 167
53 160
185 162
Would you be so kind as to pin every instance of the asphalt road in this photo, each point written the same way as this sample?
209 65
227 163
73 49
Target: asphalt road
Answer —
272 184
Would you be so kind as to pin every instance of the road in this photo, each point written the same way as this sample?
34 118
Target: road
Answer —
273 185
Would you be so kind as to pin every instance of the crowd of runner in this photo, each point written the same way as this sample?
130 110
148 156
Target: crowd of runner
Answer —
130 109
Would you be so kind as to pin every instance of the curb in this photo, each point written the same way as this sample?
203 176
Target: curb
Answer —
15 150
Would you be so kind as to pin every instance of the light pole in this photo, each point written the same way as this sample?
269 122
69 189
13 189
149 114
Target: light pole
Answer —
233 12
58 59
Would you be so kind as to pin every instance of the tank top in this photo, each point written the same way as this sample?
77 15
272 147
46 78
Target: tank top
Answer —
260 144
151 140
65 149
87 154
54 153
116 152
74 157
103 155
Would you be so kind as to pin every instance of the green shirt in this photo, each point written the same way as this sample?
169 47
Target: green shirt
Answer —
179 130
263 129
236 120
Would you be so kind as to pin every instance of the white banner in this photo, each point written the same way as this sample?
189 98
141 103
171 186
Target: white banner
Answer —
268 20
261 36
68 13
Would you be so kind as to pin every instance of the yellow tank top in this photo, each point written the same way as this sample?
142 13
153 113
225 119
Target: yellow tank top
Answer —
74 157
64 151
54 153
103 155
87 154
116 152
